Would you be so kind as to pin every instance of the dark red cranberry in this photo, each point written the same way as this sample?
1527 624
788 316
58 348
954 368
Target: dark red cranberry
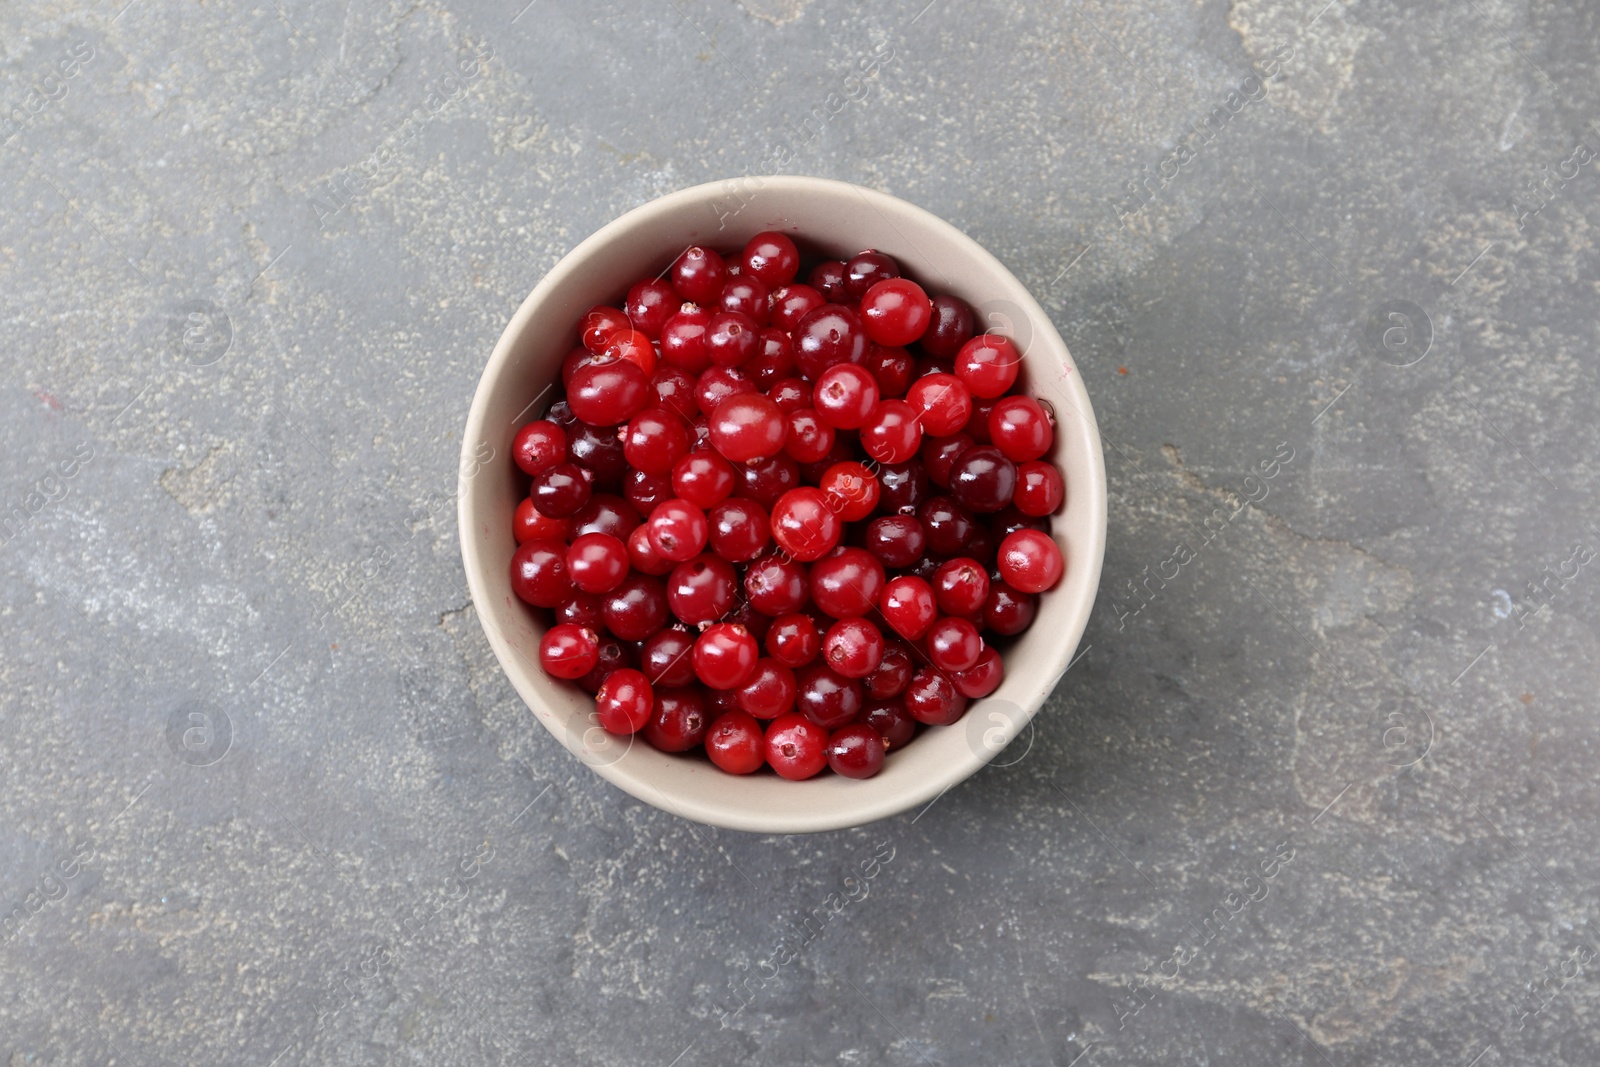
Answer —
539 445
582 609
561 490
560 413
774 359
961 586
897 540
892 368
856 751
775 585
698 275
768 480
642 555
793 640
735 743
1009 520
982 678
674 389
931 698
830 335
904 486
865 269
772 257
790 394
666 658
809 439
827 697
539 573
827 278
792 303
848 583
719 383
889 718
599 323
1040 490
605 514
739 530
949 328
649 305
892 674
598 451
770 692
947 525
637 608
613 657
644 491
677 723
701 590
1007 611
749 296
732 339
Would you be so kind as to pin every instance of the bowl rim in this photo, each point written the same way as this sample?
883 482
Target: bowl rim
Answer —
1069 388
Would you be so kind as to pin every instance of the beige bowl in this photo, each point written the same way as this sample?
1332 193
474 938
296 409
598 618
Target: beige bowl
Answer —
839 219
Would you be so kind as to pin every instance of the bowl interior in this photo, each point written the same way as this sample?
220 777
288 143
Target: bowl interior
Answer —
837 219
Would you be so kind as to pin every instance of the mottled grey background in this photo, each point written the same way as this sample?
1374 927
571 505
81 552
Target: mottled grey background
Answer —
259 763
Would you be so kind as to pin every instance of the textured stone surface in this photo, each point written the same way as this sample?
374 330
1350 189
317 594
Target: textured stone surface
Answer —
258 387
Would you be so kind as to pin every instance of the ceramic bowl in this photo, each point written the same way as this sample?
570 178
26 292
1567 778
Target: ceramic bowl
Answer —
837 219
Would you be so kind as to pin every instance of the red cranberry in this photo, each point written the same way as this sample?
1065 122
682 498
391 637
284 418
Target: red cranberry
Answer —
947 525
736 744
827 697
827 278
809 439
677 530
982 678
892 674
847 583
931 698
865 269
701 590
775 586
828 336
856 751
892 368
678 721
749 296
674 389
748 427
961 586
683 339
770 691
851 490
605 514
738 530
599 323
772 257
598 451
774 359
655 440
845 396
943 400
791 303
643 491
795 747
624 702
765 481
718 384
637 608
649 305
790 394
585 610
732 339
613 657
1009 520
642 555
1030 561
949 328
897 540
939 454
539 573
666 660
954 644
889 719
853 647
527 524
793 640
908 606
725 655
1040 490
698 275
539 445
633 347
597 563
703 478
569 651
1008 611
893 433
1020 429
988 364
895 311
561 490
561 414
803 525
604 394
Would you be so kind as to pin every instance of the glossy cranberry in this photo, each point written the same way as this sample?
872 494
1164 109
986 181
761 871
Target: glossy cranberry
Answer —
772 257
1020 428
735 743
889 719
637 608
698 275
632 347
748 427
892 674
954 644
528 524
677 530
614 656
538 446
792 303
847 583
856 751
1040 490
795 747
585 610
947 525
569 651
655 440
981 547
599 323
853 647
892 367
666 658
770 692
703 478
803 525
732 339
598 451
793 640
776 586
642 555
842 451
988 364
597 563
790 394
739 530
774 359
604 394
939 454
766 481
539 573
828 336
852 490
845 396
748 296
827 278
1008 611
908 606
977 427
650 304
865 269
683 339
982 678
944 402
932 698
950 327
827 697
1009 520
893 433
560 413
725 655
897 540
809 439
624 702
677 722
895 311
604 514
674 391
718 384
1030 561
578 357
904 487
960 586
644 491
702 590
559 491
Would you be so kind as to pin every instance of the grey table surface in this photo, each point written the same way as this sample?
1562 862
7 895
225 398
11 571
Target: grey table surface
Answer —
1322 794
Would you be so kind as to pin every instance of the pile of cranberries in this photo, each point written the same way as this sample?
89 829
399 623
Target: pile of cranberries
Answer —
777 520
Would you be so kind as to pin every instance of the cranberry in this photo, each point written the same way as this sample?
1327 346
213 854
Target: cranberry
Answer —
598 451
845 396
943 400
1020 429
791 303
851 490
655 440
830 335
961 586
1008 611
605 514
637 608
897 540
790 394
770 691
561 490
683 339
908 606
739 530
982 678
793 640
842 451
847 583
856 751
698 275
949 328
701 590
765 481
560 413
539 573
827 697
604 394
904 487
749 296
538 446
725 655
597 563
977 427
809 439
889 719
988 364
718 384
568 651
624 702
643 491
932 698
736 744
795 747
892 674
598 324
892 368
665 658
853 647
528 524
703 478
1009 520
732 339
613 657
677 530
939 454
954 644
827 278
772 257
677 723
893 433
649 305
895 311
775 586
674 389
642 555
773 360
584 610
865 269
632 347
803 525
947 525
748 427
1030 561
1040 490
